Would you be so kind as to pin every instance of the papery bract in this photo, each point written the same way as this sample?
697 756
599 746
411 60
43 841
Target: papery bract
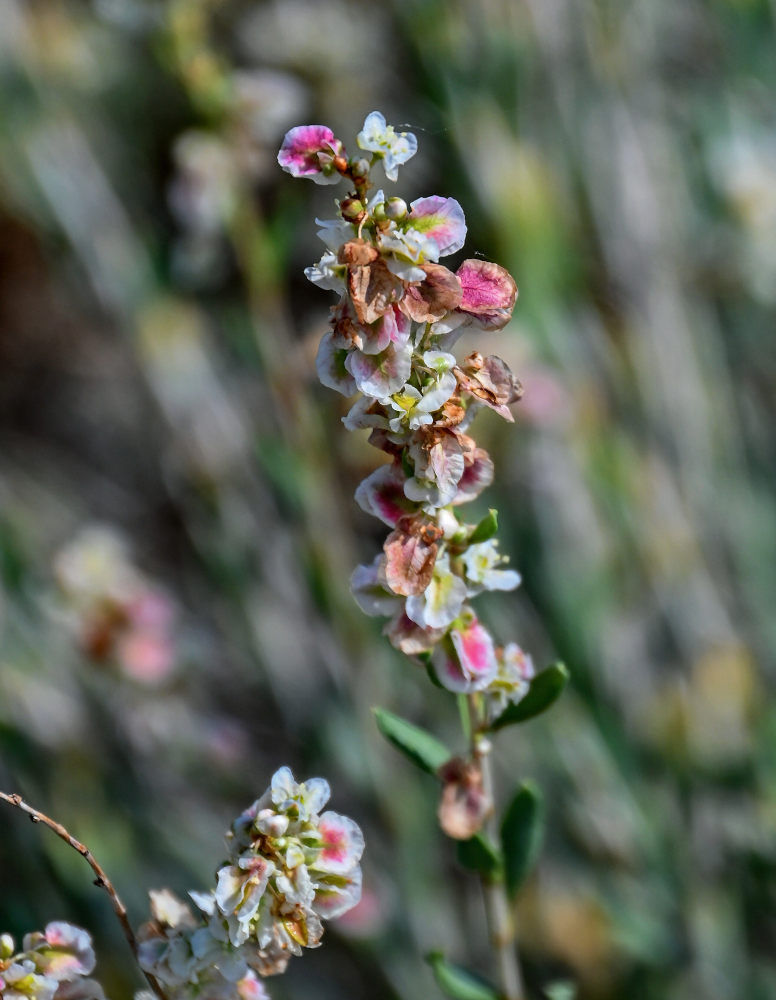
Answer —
438 294
489 293
464 805
410 554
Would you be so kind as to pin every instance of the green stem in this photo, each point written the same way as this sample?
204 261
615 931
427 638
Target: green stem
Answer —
501 924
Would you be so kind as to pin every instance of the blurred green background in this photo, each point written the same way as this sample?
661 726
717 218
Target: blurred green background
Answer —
157 339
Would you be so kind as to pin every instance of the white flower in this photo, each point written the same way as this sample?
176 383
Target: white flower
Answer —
482 572
328 273
441 602
335 232
512 680
394 147
404 250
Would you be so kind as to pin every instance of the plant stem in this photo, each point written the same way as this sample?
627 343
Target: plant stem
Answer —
101 880
501 925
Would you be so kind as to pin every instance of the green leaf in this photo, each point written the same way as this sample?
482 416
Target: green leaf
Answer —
561 990
544 691
521 835
480 855
456 982
486 529
424 750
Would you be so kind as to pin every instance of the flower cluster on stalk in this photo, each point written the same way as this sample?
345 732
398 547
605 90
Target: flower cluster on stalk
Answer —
290 866
390 342
54 964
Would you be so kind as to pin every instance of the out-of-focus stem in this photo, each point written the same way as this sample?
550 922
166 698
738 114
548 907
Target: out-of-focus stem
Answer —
101 879
501 924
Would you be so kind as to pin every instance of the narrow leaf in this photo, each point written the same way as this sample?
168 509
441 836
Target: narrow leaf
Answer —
458 983
521 835
480 855
486 529
424 750
544 691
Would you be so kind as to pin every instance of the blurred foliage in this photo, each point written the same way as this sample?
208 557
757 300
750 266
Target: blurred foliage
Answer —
156 376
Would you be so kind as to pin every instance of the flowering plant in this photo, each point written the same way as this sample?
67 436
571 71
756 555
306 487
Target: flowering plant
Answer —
390 343
290 866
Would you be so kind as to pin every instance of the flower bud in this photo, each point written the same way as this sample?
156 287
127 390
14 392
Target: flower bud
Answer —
360 167
396 208
378 213
6 946
352 209
271 824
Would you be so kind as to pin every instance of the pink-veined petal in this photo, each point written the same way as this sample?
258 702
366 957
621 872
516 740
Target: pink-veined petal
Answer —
342 844
442 220
393 327
489 293
331 364
466 660
380 375
382 495
477 476
305 151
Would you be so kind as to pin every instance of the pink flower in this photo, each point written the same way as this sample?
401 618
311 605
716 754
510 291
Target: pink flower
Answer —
466 661
439 219
309 151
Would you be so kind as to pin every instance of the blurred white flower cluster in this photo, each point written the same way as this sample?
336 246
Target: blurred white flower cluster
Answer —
53 965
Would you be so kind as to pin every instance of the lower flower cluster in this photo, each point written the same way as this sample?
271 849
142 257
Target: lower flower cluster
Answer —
53 965
290 867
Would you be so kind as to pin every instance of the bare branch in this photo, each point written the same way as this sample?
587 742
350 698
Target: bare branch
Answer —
101 879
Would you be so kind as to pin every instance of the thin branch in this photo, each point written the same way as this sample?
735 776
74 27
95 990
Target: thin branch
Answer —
101 879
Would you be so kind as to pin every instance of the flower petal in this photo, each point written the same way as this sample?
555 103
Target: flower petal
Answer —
307 150
442 220
489 293
477 476
331 364
342 844
382 495
337 894
367 585
466 661
379 375
441 602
